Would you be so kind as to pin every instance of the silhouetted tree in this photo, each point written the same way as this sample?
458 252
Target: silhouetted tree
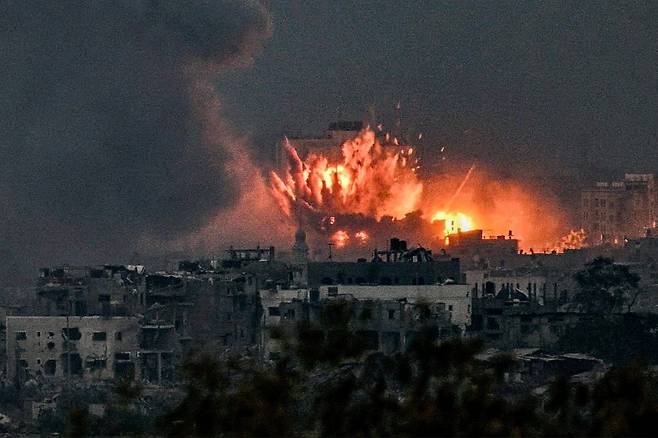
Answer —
606 287
617 339
232 399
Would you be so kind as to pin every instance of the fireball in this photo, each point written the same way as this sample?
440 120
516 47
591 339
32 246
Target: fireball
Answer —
454 221
373 179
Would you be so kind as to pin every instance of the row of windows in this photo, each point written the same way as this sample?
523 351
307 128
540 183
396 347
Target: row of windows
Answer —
72 334
92 363
597 203
366 314
106 298
602 216
382 280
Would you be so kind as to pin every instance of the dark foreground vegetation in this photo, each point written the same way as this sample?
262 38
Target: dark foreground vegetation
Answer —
431 390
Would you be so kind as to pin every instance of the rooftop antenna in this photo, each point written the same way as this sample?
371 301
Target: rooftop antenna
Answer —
330 244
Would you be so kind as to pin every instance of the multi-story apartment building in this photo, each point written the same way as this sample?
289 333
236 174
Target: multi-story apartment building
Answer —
614 211
61 347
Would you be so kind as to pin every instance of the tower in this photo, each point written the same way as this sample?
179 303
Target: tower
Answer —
300 248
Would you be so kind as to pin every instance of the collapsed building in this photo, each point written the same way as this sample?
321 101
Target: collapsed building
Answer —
202 305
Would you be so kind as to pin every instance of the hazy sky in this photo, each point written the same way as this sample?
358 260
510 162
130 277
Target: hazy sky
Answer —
519 85
109 129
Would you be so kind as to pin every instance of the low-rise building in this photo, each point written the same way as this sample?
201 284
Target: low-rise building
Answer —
512 319
108 290
383 273
455 297
542 285
475 251
384 325
59 347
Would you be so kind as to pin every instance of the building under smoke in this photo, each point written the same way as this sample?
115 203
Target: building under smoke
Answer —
614 211
327 145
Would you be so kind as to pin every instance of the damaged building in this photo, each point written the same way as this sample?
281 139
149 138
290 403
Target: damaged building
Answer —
384 325
109 290
199 306
395 266
512 318
86 347
455 298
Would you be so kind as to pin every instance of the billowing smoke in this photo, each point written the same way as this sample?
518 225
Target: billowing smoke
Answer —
109 124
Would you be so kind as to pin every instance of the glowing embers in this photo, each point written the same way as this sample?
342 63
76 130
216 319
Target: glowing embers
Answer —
453 222
375 178
340 238
361 237
575 239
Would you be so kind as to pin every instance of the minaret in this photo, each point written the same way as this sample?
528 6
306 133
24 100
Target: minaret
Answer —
300 248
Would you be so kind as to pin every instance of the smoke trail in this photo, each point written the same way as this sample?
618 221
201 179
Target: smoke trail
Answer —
459 189
109 128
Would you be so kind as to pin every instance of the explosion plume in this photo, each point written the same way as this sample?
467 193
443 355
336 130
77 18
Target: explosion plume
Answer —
375 192
374 179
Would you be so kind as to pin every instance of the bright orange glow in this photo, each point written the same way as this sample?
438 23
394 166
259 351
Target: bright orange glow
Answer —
373 179
379 177
498 205
340 238
575 239
361 236
453 221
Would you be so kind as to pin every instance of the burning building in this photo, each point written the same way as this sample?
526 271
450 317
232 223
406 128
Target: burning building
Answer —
353 187
327 145
473 249
356 187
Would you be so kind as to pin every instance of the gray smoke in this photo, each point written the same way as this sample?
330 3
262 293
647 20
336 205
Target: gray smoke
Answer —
108 129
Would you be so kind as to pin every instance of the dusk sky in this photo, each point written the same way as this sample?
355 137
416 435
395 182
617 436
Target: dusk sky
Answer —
110 130
508 83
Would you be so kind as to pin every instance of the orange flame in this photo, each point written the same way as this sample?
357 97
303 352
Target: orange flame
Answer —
340 238
377 177
575 239
361 237
454 221
373 179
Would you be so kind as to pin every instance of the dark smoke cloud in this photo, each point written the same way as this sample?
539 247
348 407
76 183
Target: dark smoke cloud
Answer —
108 123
